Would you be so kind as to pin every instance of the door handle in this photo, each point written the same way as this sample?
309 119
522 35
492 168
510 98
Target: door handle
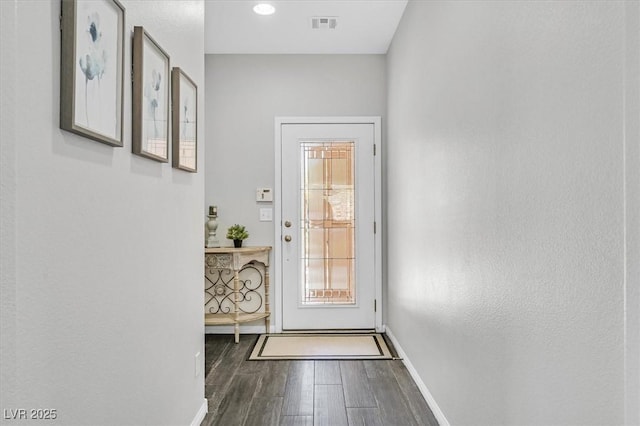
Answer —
287 238
287 224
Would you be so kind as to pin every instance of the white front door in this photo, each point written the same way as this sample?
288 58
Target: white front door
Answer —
328 248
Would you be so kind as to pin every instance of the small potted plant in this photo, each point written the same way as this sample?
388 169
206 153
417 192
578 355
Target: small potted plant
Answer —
237 233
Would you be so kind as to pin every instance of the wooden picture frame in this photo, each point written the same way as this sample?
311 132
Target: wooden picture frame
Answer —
184 121
151 98
92 69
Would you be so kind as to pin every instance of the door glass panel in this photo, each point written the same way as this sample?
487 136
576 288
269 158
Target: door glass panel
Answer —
327 222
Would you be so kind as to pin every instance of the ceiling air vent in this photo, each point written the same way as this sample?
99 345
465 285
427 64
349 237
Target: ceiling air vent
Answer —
324 22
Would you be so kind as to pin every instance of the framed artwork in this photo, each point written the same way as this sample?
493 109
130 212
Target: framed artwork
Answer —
92 69
151 98
184 121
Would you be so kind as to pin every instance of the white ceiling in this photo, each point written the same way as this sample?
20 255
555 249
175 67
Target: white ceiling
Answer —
364 26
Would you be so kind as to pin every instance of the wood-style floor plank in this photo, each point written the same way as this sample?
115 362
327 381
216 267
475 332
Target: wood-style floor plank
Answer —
298 395
214 346
328 406
230 359
213 402
223 371
364 417
357 390
414 398
234 407
390 400
264 411
273 378
377 369
296 421
252 367
327 373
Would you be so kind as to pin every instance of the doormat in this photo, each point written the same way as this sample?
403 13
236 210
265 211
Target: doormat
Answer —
320 346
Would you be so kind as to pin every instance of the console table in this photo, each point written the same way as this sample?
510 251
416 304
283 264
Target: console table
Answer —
235 281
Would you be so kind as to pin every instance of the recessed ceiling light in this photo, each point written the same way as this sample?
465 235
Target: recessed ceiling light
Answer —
264 9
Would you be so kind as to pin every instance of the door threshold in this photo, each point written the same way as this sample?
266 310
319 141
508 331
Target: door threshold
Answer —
331 331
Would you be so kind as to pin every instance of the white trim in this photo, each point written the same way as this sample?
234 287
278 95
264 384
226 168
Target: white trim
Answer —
431 402
202 412
277 273
244 329
377 140
276 288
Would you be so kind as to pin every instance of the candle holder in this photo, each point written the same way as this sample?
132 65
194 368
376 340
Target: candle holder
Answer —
212 226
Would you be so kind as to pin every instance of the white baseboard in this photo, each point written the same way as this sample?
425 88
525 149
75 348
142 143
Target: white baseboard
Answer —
228 329
435 409
204 408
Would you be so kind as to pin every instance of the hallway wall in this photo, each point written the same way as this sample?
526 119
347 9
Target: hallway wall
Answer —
101 250
244 95
506 208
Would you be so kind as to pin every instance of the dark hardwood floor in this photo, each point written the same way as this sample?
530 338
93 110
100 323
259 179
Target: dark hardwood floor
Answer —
330 393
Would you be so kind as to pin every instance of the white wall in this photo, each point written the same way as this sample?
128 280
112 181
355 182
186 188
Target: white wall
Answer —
506 207
632 217
101 250
245 93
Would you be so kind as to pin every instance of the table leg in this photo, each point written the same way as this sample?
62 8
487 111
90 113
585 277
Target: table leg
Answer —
267 307
236 309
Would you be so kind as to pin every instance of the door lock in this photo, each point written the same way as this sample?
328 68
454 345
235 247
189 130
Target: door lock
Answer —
287 238
287 224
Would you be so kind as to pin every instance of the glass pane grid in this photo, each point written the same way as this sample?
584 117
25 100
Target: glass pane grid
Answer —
327 225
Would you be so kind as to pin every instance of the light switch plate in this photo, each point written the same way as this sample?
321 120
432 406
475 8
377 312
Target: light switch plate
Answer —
266 214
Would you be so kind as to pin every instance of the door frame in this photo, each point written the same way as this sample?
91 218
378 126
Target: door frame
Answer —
277 220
